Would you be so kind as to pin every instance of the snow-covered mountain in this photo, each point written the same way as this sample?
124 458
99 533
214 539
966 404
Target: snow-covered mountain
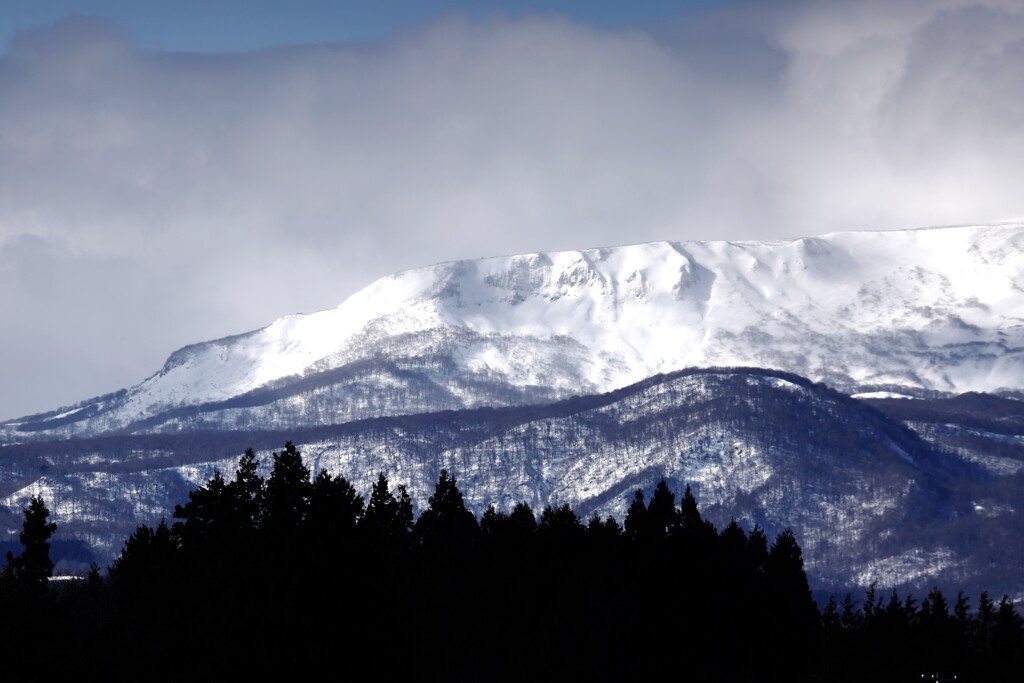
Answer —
579 376
938 309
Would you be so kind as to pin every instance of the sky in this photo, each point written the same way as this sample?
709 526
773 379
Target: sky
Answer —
172 173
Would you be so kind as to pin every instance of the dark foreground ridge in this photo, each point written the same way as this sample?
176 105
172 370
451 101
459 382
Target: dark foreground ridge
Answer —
304 574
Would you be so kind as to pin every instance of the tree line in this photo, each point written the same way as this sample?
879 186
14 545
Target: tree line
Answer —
305 572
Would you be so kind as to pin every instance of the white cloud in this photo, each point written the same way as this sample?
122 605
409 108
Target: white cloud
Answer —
149 200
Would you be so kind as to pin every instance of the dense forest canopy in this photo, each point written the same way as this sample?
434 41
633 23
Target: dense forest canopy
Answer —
253 570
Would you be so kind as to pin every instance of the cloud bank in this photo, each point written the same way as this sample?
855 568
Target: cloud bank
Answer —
149 200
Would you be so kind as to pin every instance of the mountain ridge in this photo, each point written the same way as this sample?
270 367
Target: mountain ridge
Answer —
928 309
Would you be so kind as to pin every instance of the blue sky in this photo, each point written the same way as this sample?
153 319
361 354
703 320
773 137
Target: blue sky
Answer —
238 26
172 173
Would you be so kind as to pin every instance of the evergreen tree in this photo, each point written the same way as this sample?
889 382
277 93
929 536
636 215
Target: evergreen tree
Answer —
870 603
248 490
522 521
393 577
689 515
605 535
148 556
446 521
220 514
507 535
794 616
152 606
334 508
287 492
636 518
1007 648
735 586
698 534
216 542
387 518
560 527
851 615
32 569
937 633
663 517
784 570
31 621
757 550
204 519
493 522
733 539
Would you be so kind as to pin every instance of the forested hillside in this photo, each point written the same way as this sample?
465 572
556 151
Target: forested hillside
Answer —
869 498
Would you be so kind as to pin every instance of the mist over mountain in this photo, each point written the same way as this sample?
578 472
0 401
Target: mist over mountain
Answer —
764 374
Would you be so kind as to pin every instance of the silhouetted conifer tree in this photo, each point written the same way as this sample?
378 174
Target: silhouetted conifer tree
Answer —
387 519
287 493
561 529
793 625
30 621
335 509
204 520
636 518
605 535
447 522
1006 656
757 549
689 515
31 569
522 521
248 489
148 557
663 517
145 581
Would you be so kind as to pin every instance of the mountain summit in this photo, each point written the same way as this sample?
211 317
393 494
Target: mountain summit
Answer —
911 311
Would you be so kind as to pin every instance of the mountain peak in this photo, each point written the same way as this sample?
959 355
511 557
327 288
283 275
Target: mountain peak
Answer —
937 309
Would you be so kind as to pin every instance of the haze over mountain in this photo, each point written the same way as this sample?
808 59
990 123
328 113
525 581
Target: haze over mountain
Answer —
578 376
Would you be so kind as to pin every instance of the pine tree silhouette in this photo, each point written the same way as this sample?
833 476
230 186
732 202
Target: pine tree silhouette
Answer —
31 569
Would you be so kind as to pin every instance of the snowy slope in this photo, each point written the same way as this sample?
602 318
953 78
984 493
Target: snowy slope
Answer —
935 309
